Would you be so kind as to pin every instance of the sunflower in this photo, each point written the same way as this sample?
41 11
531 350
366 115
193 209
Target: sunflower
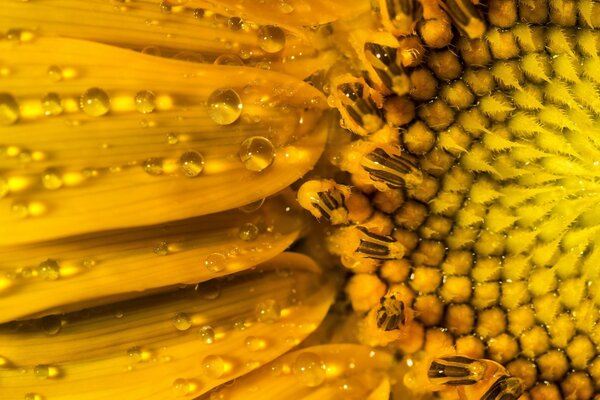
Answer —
159 159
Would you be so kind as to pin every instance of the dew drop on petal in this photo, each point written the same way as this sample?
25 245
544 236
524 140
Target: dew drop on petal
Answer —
215 262
309 369
153 166
145 101
248 231
51 324
55 73
224 106
235 23
44 371
33 396
257 153
213 366
191 163
52 179
271 38
52 104
161 249
254 343
182 321
268 311
9 109
49 270
94 102
229 59
207 334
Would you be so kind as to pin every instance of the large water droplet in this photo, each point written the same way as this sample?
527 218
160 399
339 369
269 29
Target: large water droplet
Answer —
9 109
145 101
229 59
52 179
271 38
161 249
248 231
55 73
268 311
254 343
224 106
51 324
33 396
207 334
153 166
215 262
182 321
213 366
139 354
235 23
183 387
52 104
192 163
49 270
257 153
44 371
94 102
309 369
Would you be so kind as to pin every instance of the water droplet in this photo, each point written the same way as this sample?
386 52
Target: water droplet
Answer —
224 106
183 387
215 262
165 7
229 59
145 101
268 311
198 13
152 51
240 325
161 249
139 354
192 163
49 270
309 369
33 396
271 38
254 343
52 179
19 209
55 73
88 262
257 153
52 104
94 102
213 366
51 324
251 207
182 321
207 334
9 109
4 189
44 371
248 231
153 166
235 23
172 138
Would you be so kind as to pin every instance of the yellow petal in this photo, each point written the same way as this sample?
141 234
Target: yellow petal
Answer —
76 272
159 347
335 371
115 165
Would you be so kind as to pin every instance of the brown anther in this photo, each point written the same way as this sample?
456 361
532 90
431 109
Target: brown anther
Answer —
445 64
418 138
436 33
474 52
423 85
399 110
437 115
534 11
502 13
480 81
